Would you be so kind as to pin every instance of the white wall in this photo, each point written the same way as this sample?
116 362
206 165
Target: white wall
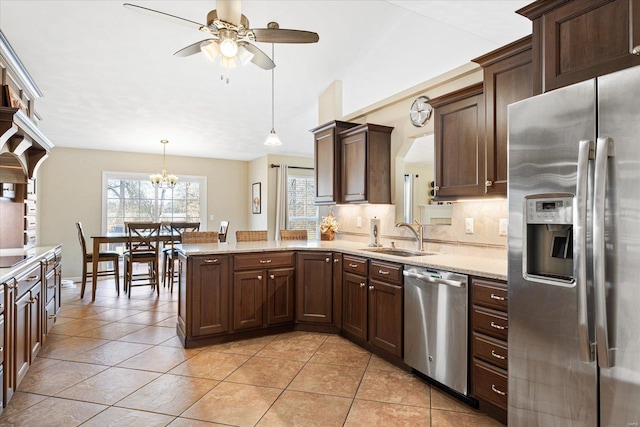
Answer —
69 190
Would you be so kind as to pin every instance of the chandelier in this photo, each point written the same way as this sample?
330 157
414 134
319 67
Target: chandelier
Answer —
163 180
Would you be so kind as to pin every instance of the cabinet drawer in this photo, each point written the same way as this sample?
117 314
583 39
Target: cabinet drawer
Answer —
490 384
490 322
30 221
27 279
390 273
354 265
263 260
50 316
490 350
30 207
490 294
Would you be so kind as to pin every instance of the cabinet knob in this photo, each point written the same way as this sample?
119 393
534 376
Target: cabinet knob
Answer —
259 277
488 183
636 50
371 287
335 260
272 277
362 285
327 259
436 188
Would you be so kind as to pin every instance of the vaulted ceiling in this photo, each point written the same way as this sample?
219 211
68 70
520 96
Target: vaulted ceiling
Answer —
110 80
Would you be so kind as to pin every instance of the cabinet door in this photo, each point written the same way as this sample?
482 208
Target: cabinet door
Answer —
209 300
327 177
9 384
35 321
460 145
354 167
314 291
248 297
385 316
21 329
354 304
280 287
582 39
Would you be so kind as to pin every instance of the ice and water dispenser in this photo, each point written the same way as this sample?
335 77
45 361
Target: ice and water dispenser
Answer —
548 234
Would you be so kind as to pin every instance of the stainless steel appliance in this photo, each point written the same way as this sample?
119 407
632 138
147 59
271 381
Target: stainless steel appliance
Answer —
435 325
574 255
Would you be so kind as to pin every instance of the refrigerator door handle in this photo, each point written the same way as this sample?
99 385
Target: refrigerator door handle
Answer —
604 150
585 153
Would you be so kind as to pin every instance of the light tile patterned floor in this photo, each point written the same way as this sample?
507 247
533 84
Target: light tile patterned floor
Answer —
117 362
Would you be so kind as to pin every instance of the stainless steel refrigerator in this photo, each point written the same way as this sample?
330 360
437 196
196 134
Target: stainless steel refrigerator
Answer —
574 255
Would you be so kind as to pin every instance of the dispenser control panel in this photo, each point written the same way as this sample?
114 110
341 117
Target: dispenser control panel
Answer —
549 210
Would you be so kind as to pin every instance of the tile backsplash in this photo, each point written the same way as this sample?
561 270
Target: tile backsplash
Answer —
485 240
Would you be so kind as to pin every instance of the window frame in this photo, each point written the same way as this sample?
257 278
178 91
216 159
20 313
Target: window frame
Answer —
139 176
307 175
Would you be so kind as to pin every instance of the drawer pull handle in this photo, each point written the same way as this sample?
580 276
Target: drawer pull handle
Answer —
495 325
32 278
362 285
497 356
51 287
495 390
211 261
52 316
353 265
383 272
265 261
498 297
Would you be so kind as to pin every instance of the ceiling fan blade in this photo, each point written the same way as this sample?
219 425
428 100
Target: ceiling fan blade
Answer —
278 35
159 14
229 11
192 49
260 58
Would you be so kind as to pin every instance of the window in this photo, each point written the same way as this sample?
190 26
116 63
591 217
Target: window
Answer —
128 197
302 214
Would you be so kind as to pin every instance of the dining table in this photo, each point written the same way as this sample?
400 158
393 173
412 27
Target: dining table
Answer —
119 237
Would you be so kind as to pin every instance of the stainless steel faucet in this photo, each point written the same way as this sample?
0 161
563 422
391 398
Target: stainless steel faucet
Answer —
417 232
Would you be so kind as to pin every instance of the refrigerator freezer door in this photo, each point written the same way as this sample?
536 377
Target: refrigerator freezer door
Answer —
549 385
619 120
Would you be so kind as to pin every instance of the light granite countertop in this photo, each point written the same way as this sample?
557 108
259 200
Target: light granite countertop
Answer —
32 255
490 268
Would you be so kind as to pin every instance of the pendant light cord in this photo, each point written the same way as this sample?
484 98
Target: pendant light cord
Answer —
272 89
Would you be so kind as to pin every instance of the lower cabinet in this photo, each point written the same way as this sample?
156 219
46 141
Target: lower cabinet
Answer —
203 296
489 350
263 286
373 303
314 288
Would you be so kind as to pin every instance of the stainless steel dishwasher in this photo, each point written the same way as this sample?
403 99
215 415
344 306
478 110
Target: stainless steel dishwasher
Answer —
435 325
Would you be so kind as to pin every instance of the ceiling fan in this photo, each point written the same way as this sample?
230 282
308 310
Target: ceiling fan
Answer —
231 37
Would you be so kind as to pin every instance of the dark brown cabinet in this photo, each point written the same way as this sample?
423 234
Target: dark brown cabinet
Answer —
263 290
489 350
328 157
508 78
459 144
27 322
203 298
373 302
314 288
366 164
52 273
580 39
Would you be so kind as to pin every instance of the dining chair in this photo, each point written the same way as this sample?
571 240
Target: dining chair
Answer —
293 234
176 229
222 232
251 235
88 257
143 242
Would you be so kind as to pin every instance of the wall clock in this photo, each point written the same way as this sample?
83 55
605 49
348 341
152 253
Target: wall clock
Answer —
420 111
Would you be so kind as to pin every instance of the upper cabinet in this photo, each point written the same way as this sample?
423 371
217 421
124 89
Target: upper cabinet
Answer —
352 163
581 39
508 78
366 164
328 158
459 144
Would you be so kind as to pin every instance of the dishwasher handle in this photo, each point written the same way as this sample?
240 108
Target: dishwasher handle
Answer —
435 280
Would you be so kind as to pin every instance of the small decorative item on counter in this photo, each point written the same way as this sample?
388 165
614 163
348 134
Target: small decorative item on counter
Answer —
328 226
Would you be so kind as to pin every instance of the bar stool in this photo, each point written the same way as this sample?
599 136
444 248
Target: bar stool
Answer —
251 236
88 257
142 247
293 234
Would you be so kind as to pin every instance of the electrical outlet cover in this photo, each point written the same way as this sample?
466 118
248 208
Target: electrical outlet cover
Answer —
468 225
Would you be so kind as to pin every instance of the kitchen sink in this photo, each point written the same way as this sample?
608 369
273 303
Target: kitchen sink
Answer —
398 252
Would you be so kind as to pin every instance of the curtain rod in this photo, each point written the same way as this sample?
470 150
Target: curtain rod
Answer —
292 167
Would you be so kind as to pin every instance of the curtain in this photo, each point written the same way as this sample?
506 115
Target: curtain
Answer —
281 200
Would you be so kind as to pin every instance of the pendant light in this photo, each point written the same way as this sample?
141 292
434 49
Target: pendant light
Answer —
162 180
272 140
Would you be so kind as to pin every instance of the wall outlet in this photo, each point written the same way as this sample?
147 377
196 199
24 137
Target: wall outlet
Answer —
504 227
468 225
359 221
211 217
